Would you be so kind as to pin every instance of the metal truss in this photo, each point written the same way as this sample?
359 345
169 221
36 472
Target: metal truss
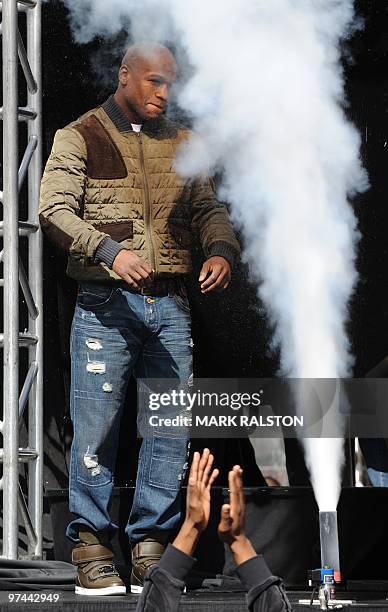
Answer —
19 396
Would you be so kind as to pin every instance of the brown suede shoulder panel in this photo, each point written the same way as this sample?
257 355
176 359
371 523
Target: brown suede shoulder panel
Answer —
104 158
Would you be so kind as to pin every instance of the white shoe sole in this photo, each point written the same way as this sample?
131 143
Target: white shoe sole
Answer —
115 590
138 589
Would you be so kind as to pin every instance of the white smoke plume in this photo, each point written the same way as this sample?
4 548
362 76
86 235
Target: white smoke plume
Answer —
266 96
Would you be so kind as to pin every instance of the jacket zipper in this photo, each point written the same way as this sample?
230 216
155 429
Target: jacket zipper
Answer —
147 206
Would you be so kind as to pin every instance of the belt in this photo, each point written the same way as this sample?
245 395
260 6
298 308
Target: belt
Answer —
159 287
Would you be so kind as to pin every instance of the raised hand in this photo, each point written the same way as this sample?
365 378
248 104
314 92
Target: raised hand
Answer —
201 478
231 528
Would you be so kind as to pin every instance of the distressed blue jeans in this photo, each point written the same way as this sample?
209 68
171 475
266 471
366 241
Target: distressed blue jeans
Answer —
116 333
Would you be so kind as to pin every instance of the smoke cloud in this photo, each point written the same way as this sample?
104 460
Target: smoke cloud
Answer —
266 95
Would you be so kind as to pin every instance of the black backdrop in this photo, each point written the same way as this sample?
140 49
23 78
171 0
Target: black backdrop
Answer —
230 332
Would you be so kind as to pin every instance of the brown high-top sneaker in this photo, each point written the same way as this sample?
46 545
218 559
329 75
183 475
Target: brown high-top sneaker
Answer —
97 574
144 555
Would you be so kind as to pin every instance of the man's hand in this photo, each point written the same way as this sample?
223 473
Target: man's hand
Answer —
231 528
201 478
198 490
215 274
132 269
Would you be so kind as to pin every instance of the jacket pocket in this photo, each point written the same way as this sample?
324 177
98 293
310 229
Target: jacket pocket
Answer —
119 231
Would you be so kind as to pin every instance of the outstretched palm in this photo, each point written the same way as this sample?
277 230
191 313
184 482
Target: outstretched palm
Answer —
198 491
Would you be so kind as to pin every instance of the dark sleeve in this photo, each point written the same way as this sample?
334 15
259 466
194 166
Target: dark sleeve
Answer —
265 591
223 249
211 218
164 582
107 251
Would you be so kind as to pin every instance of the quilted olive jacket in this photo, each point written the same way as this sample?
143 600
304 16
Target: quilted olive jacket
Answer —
102 180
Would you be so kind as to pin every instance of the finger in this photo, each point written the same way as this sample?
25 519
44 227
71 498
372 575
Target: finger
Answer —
202 463
135 276
239 485
204 272
241 489
233 493
218 280
227 278
130 281
207 469
214 287
233 489
238 480
217 286
225 518
215 273
225 509
141 270
210 284
226 285
193 476
213 476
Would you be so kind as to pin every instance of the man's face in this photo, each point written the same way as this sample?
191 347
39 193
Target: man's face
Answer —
146 84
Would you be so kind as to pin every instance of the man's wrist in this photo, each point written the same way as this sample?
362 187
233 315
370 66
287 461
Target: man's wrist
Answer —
222 249
188 537
107 251
242 550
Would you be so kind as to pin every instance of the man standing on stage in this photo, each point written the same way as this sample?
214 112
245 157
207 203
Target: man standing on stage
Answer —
111 198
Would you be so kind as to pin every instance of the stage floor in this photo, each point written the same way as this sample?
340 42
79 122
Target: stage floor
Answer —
192 601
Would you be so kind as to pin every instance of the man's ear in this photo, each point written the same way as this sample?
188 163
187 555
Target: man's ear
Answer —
123 75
